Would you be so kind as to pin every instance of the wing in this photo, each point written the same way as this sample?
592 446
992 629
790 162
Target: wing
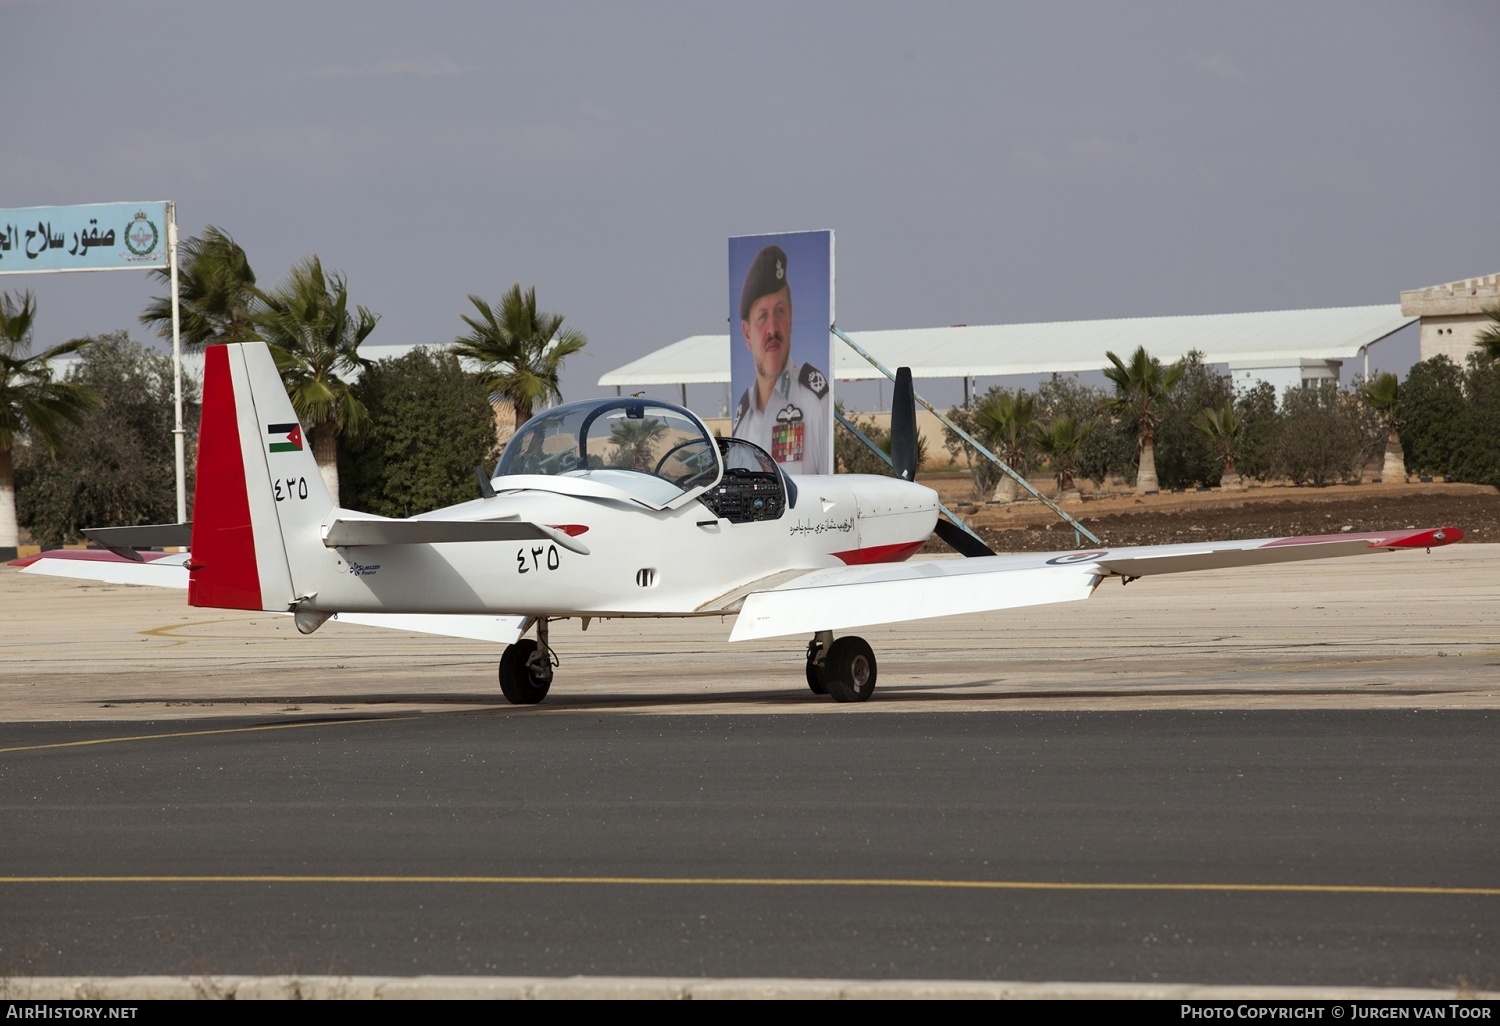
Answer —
858 596
169 570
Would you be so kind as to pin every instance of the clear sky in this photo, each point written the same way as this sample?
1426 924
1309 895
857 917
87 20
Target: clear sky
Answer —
981 162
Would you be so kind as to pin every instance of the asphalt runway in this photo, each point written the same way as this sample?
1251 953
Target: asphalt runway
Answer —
1269 847
1280 777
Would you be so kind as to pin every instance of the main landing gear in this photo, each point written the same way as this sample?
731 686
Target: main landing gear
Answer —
844 669
526 668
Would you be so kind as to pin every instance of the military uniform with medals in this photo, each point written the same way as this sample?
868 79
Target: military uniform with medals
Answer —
794 426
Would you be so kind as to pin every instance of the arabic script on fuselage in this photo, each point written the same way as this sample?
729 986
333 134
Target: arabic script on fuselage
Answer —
823 527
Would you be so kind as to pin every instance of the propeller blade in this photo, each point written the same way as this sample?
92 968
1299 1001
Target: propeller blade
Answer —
959 540
904 427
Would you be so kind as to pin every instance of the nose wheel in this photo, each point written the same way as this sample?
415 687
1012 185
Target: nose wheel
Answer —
843 669
526 669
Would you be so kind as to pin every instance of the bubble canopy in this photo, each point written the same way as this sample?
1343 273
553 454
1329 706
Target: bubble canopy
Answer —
649 448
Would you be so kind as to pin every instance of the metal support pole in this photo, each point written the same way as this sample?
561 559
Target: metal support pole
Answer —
179 435
1078 529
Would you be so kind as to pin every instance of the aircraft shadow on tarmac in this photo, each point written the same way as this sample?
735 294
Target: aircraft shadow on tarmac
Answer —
948 692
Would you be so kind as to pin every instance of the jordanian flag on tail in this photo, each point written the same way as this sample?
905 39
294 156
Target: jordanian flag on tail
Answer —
284 437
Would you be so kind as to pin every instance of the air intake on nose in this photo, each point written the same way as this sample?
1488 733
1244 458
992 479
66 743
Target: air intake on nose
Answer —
646 577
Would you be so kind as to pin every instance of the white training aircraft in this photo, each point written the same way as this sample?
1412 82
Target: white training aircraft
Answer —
609 508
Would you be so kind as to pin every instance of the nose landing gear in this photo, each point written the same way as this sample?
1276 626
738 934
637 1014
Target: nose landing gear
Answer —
526 668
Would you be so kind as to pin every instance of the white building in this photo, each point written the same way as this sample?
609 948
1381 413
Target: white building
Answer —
1453 315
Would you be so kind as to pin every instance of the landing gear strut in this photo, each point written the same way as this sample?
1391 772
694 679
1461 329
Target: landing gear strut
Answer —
816 648
843 669
526 668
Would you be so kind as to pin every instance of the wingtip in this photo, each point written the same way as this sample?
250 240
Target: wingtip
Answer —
1427 538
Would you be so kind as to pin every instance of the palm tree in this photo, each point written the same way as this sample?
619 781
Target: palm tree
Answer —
1140 389
1383 395
31 400
1062 440
1226 433
520 349
635 443
315 339
1005 424
1488 340
216 289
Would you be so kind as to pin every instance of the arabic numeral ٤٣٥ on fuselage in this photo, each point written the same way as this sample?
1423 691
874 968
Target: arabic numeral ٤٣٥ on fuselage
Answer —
295 488
536 558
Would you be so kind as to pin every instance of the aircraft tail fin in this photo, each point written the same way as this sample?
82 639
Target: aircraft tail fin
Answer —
258 488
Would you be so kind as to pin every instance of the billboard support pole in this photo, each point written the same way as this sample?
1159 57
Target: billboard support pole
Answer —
178 434
1078 529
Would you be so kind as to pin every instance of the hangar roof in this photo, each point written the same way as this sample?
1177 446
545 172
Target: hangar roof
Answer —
998 350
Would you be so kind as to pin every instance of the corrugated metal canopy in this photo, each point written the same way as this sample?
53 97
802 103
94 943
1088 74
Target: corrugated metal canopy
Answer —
999 350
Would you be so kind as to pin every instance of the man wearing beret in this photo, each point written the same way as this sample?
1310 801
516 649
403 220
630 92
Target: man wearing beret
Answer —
786 410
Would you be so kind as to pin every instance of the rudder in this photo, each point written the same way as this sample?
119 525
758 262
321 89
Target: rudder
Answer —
257 481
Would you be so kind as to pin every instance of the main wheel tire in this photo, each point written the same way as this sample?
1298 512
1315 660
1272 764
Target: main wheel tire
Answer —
815 678
849 670
519 684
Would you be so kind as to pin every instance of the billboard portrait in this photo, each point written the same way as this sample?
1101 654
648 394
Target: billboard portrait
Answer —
780 310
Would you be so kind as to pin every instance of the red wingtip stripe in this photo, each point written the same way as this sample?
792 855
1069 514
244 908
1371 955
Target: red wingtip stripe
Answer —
1426 538
224 574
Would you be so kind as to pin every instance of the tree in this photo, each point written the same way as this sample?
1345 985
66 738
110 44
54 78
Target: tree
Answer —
1061 439
1108 443
1322 440
1225 432
1005 423
851 456
121 466
216 289
519 348
315 340
1382 394
1140 389
1488 340
1185 456
1260 434
430 423
1434 433
1479 461
985 474
33 404
635 443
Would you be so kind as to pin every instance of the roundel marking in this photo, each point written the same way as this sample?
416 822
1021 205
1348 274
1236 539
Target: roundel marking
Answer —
1077 557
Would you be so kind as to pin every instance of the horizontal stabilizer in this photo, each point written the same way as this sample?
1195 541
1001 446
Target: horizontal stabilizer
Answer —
151 569
353 533
169 570
124 541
